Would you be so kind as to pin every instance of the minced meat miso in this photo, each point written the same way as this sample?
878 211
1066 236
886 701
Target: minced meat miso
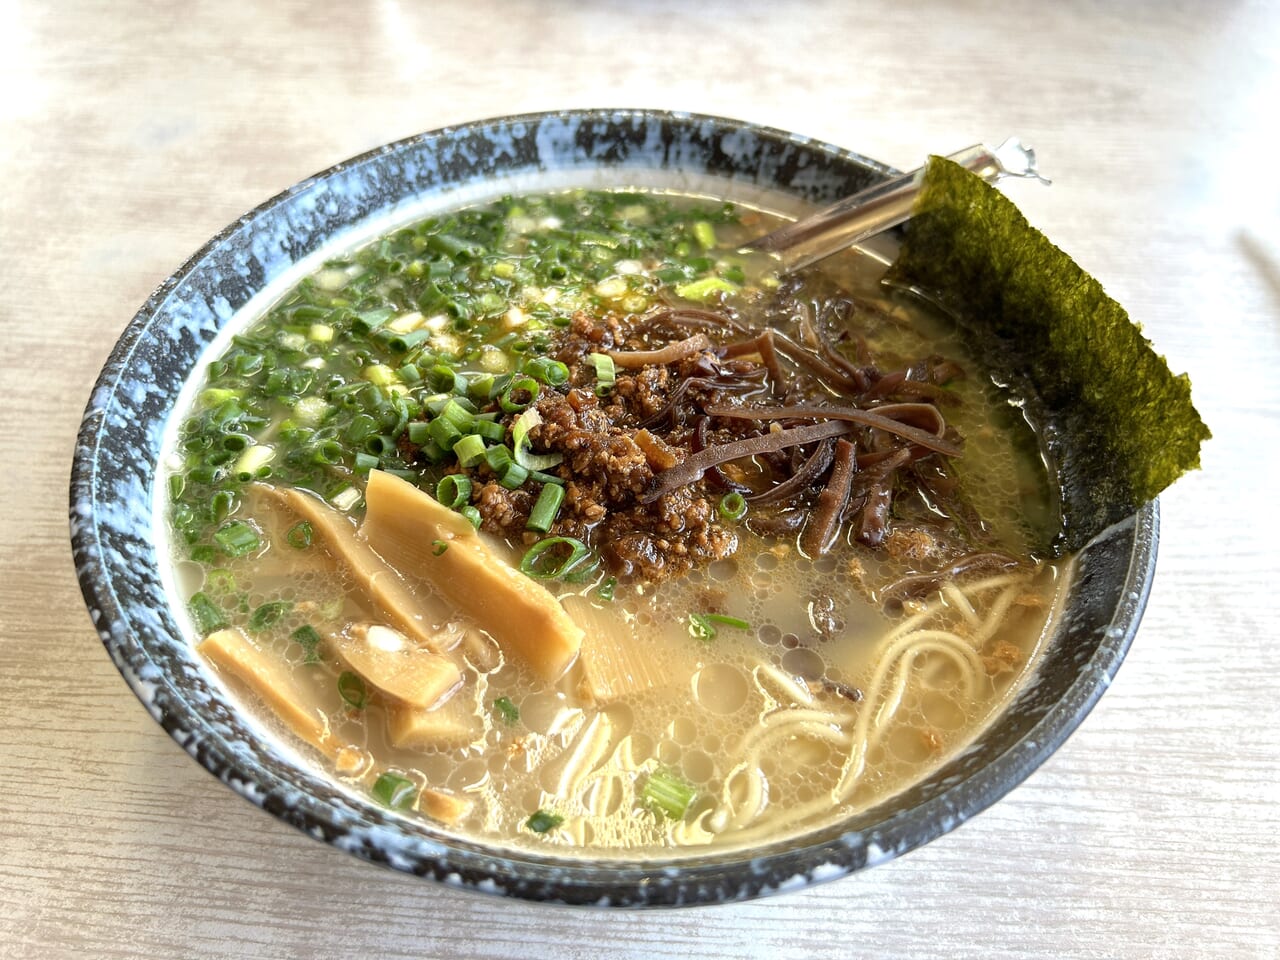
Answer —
563 523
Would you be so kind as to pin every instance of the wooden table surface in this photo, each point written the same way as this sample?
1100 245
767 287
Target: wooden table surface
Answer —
130 132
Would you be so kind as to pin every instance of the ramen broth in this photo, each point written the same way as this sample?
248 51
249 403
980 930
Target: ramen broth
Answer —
765 690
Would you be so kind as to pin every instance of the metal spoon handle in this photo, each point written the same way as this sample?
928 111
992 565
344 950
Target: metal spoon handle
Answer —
885 205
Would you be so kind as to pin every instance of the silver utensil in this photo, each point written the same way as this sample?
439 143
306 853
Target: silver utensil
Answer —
878 208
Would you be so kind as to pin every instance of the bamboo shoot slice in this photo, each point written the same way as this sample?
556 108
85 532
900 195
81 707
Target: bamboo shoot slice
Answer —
450 724
407 528
613 663
442 806
269 680
390 661
416 615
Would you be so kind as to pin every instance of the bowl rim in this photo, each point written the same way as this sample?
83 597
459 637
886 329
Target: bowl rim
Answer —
734 875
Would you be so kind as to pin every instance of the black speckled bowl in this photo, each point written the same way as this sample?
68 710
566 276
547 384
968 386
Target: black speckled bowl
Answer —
114 516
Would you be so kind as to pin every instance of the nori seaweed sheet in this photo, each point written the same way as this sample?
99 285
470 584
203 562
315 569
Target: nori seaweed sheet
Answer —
1122 426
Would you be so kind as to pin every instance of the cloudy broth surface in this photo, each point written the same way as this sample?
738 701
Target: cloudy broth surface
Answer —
734 684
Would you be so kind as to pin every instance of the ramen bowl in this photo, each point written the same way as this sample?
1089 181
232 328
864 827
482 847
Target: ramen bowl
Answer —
117 515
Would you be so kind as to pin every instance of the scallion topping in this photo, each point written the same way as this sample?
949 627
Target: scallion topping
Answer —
702 626
546 508
206 614
220 581
606 372
511 400
371 320
453 490
394 791
300 535
307 637
551 372
667 793
704 288
269 614
520 442
733 506
552 558
705 234
473 515
507 710
469 450
438 547
606 589
237 538
542 821
352 689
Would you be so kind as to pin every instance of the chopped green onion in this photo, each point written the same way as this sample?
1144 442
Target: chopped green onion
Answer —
480 388
668 794
404 342
520 443
352 689
453 490
606 589
512 476
733 506
252 460
540 477
497 458
551 372
704 288
300 535
381 446
418 434
365 462
507 399
176 484
221 503
371 320
237 538
458 415
438 547
542 821
380 375
220 581
546 508
445 379
214 396
469 450
509 712
206 614
473 515
312 410
247 364
491 430
540 563
705 234
394 791
307 637
455 247
606 372
443 432
702 626
204 553
269 614
327 452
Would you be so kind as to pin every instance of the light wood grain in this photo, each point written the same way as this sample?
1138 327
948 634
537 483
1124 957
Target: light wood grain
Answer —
131 132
